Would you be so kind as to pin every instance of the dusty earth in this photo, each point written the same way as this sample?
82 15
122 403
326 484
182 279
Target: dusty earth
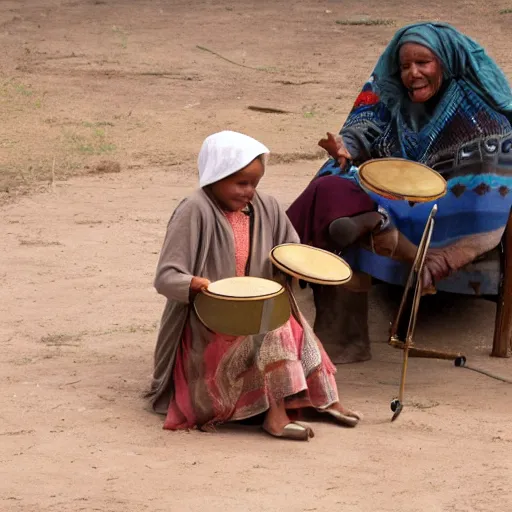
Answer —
133 85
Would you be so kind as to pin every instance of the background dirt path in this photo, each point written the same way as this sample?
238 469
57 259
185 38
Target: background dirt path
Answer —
86 81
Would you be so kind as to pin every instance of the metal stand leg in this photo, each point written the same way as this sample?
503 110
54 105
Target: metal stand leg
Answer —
414 281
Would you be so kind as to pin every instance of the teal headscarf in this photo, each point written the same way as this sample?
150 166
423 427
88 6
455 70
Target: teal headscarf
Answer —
461 57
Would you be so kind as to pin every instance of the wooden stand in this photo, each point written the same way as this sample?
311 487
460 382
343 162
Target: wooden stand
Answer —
502 342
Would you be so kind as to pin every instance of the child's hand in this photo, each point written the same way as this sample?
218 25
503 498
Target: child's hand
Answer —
197 284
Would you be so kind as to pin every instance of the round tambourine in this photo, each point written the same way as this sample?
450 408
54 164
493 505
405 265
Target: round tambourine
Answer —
311 264
400 179
243 306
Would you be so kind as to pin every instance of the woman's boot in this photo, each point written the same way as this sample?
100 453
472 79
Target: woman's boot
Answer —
345 231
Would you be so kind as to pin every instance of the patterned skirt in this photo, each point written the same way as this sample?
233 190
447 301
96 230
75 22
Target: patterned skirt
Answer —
219 378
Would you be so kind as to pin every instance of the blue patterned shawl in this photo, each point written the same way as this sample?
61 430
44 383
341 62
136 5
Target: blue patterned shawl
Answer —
466 136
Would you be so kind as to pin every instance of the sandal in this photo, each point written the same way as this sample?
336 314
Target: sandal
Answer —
351 419
296 430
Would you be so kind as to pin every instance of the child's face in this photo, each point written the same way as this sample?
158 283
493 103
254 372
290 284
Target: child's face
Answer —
235 192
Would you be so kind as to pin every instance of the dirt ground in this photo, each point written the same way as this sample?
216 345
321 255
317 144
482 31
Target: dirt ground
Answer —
104 106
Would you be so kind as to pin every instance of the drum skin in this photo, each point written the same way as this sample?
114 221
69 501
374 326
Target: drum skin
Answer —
311 264
400 179
243 315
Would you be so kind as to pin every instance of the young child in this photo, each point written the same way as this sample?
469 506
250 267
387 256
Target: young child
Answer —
222 230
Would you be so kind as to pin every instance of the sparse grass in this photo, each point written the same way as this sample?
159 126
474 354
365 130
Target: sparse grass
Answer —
38 243
88 222
93 142
22 361
17 92
97 124
72 340
60 340
17 179
68 152
288 158
141 328
123 36
424 405
506 11
309 111
8 143
131 329
366 22
22 89
268 69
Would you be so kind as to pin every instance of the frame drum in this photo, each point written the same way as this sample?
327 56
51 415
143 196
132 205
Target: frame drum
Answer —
311 264
243 306
400 179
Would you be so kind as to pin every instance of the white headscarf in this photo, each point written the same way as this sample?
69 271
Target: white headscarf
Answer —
224 153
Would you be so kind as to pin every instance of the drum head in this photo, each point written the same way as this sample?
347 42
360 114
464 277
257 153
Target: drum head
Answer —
311 264
244 288
400 179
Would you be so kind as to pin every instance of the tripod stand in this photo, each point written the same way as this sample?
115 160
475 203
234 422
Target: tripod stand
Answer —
402 329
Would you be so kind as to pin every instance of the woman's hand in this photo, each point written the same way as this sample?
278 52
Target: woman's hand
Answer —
437 263
335 146
436 268
198 284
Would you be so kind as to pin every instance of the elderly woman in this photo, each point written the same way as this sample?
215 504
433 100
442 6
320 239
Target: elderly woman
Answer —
437 98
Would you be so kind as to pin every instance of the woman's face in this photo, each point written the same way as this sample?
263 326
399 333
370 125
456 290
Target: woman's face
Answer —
420 71
235 192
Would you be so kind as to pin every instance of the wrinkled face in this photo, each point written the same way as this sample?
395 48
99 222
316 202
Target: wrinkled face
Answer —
420 71
235 192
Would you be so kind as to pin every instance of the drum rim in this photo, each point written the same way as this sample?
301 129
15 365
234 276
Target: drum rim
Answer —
244 299
309 279
404 197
